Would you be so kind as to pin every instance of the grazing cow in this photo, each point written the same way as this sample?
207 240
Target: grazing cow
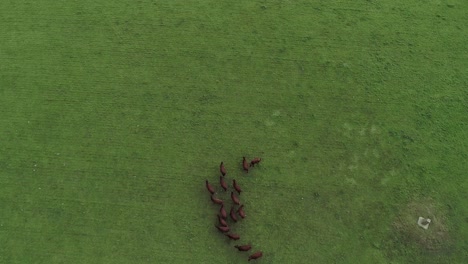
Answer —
255 255
223 183
245 165
233 236
255 161
222 221
241 211
222 169
233 214
209 187
216 200
244 247
222 211
234 198
237 187
223 229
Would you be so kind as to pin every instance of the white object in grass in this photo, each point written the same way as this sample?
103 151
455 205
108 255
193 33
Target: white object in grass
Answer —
424 222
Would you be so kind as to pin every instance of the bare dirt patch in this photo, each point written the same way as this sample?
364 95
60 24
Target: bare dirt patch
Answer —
436 238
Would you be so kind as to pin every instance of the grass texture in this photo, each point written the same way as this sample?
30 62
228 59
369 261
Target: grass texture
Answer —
114 113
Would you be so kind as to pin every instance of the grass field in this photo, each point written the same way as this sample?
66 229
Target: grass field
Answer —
114 113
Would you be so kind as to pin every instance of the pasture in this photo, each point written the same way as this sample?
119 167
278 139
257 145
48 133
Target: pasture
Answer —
114 113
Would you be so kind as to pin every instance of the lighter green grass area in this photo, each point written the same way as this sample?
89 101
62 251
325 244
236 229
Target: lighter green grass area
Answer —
114 113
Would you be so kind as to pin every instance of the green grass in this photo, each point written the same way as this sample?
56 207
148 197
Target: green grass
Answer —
113 114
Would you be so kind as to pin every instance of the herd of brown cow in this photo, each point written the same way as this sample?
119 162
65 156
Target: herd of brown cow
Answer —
223 226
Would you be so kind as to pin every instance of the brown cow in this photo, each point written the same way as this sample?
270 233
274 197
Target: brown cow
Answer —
223 183
233 236
256 255
255 161
223 229
241 212
243 247
234 198
222 211
209 187
222 221
236 186
216 200
233 214
245 165
222 169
